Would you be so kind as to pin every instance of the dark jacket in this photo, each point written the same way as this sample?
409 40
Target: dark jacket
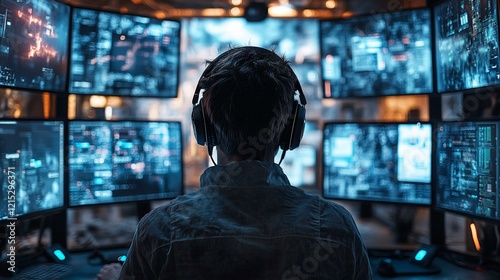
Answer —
247 222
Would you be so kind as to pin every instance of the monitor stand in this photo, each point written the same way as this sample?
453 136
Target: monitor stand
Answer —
366 210
143 207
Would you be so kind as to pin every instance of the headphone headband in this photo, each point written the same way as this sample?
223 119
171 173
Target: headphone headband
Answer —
196 96
204 130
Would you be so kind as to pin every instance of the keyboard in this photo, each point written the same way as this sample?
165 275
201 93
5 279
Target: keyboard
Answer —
52 271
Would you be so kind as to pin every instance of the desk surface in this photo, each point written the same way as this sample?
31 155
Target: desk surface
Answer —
449 271
83 270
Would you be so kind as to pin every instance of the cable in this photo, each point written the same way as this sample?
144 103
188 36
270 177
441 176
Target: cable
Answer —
282 156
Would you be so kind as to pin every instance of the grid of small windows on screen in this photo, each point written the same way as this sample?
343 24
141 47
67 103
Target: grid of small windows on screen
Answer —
377 55
32 160
467 168
382 162
34 44
124 161
466 44
123 55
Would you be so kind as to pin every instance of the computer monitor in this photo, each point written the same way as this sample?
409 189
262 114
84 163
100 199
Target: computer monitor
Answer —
377 55
294 38
124 161
466 44
379 162
34 38
32 160
123 54
467 168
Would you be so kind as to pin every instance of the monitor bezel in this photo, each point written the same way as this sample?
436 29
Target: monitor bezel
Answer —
49 211
64 88
322 157
435 174
182 171
364 15
91 92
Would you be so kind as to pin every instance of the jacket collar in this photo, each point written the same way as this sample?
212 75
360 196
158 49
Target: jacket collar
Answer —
244 173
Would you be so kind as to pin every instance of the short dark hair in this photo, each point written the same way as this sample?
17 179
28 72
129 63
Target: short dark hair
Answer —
248 98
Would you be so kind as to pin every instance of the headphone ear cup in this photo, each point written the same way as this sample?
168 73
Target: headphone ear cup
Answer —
202 130
294 129
198 125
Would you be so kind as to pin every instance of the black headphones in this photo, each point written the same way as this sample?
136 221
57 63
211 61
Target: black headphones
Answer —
204 131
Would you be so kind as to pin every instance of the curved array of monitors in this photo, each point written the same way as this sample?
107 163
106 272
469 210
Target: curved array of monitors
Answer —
467 168
389 53
119 54
466 44
32 160
380 162
126 161
34 38
371 55
376 55
395 163
123 161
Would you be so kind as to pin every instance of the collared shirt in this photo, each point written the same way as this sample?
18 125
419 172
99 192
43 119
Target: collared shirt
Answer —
247 222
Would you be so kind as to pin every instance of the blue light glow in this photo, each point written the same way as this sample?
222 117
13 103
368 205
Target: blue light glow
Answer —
420 255
60 255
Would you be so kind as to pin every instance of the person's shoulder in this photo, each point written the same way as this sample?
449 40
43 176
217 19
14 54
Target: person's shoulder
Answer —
323 204
152 222
331 211
163 212
158 221
333 206
316 198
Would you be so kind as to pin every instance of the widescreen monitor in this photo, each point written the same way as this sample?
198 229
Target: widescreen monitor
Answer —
379 162
294 38
377 55
466 44
32 161
124 161
34 39
123 54
467 168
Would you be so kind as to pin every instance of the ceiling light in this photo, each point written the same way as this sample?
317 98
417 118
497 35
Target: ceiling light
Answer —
160 14
282 10
235 11
213 12
330 4
308 13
